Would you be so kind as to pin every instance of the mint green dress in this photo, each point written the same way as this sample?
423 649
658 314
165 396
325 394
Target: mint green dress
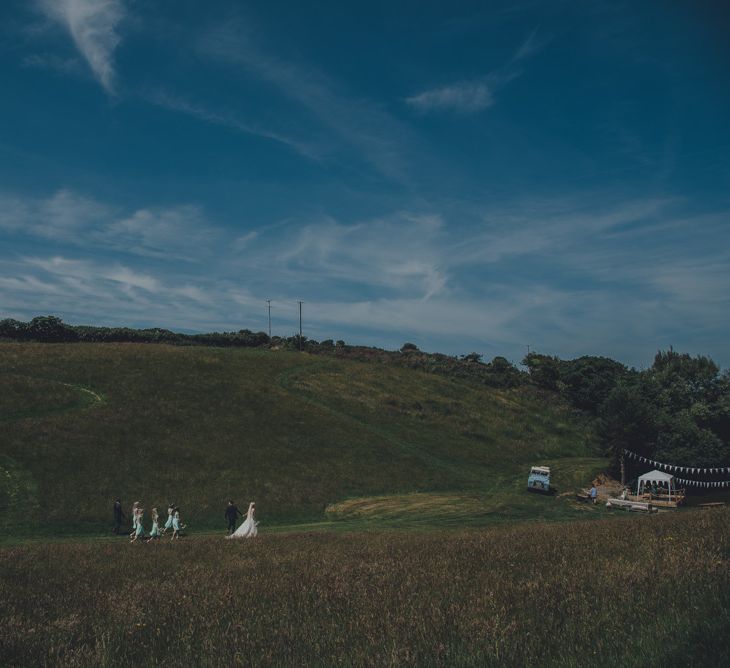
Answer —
155 533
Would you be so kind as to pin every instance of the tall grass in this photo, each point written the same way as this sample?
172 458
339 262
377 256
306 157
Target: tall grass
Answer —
622 592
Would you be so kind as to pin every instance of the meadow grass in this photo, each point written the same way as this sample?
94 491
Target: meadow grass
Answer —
396 528
85 423
630 591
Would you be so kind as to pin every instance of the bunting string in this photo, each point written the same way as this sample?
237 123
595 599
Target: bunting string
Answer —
700 483
691 470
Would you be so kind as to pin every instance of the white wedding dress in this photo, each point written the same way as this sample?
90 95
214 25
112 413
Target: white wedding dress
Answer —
248 528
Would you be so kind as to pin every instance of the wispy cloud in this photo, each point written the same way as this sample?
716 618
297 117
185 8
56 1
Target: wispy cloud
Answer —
398 254
358 122
465 97
113 292
532 44
472 96
50 61
59 216
572 275
226 119
551 226
181 232
92 25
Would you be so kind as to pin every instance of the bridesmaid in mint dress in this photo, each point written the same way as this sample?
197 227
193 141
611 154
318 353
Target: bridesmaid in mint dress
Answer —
170 512
177 527
139 532
155 532
133 515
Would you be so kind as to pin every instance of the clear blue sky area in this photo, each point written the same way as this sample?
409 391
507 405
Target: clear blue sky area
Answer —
468 176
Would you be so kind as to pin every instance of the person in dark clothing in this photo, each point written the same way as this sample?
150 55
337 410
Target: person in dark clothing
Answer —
118 516
232 513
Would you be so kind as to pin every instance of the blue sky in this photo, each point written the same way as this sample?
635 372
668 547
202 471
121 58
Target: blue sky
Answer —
465 176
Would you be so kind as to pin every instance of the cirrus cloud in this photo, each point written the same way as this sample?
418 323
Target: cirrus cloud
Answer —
92 24
464 97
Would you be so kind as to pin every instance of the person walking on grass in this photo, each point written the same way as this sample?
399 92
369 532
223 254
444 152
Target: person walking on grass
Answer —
168 524
594 495
249 527
119 516
135 507
232 513
155 531
139 531
177 526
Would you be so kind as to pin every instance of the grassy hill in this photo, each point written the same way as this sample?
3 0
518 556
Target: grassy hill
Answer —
324 443
311 439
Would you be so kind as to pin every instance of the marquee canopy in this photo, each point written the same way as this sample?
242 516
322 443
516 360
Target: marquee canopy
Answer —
655 476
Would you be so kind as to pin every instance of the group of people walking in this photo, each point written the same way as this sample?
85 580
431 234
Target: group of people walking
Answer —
248 528
137 516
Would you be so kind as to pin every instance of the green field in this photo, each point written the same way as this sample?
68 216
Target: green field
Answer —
302 435
395 524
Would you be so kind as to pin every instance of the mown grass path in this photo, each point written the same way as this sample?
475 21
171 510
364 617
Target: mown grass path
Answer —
47 400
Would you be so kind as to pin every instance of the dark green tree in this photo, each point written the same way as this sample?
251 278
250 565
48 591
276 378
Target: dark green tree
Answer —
544 370
50 329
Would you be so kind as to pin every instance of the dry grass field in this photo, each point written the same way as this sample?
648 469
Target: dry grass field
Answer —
629 591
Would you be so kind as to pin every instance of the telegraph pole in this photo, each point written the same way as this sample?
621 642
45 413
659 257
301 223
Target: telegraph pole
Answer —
268 301
300 325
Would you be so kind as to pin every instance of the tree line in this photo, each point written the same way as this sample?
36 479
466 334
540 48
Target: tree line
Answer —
676 411
50 329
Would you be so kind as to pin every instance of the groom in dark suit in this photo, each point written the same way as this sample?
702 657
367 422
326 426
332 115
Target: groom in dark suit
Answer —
232 513
118 516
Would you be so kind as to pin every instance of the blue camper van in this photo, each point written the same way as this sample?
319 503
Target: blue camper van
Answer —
539 479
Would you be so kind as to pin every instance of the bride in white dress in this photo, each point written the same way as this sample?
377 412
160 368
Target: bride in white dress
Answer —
248 528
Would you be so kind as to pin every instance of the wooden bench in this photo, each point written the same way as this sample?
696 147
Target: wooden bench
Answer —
635 506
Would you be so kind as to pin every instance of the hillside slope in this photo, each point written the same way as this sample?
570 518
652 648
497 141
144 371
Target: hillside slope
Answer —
308 438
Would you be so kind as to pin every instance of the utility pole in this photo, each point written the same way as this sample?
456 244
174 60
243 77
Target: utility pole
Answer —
268 301
300 325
